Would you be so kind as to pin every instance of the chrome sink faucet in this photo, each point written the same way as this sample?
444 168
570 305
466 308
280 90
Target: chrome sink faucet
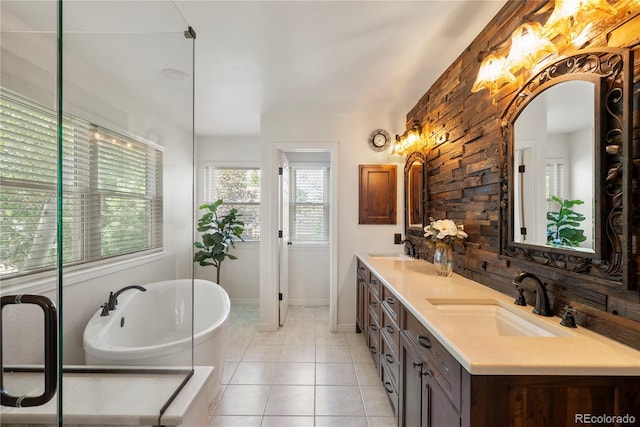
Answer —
543 308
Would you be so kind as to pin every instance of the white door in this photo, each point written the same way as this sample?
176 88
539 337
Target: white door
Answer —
283 241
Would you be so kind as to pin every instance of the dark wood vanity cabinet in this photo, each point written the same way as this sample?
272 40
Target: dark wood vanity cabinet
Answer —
427 386
430 393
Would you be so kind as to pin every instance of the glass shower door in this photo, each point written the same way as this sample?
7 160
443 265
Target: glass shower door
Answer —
97 207
28 206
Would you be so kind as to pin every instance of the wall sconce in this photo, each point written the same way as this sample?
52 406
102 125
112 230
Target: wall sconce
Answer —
531 42
408 141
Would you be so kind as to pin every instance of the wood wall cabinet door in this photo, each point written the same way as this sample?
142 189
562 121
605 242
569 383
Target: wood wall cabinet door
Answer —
378 201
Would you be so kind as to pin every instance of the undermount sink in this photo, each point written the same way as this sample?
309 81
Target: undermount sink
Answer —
391 256
486 318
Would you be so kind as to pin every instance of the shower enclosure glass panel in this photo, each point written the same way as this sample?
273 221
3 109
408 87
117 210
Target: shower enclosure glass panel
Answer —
105 183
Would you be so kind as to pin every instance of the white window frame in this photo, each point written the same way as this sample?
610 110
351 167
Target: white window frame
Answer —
85 262
326 205
211 194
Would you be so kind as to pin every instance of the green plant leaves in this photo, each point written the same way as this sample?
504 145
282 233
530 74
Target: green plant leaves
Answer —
561 228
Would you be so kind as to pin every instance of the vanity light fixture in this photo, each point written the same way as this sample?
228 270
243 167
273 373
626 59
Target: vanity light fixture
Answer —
528 46
408 141
531 41
570 17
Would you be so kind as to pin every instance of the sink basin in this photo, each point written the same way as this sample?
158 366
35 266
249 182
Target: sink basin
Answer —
393 257
488 318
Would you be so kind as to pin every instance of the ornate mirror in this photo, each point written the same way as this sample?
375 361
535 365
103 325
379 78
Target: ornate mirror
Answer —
566 169
415 194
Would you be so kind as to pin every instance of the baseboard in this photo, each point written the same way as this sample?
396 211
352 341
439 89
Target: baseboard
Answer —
347 328
319 302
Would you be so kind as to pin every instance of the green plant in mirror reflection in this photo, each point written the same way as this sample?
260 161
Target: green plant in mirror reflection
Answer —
562 226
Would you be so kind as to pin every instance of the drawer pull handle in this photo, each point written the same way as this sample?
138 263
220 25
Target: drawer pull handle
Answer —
424 341
389 358
388 387
389 328
373 304
373 328
373 350
390 300
374 281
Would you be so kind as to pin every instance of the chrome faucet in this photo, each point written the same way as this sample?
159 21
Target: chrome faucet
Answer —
113 297
411 251
543 308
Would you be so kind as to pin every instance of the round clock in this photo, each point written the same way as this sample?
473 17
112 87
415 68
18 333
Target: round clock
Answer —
379 140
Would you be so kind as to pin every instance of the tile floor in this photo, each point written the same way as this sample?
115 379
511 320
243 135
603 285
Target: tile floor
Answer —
301 375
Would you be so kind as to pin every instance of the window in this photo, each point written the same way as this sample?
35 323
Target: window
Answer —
238 187
554 183
111 198
309 204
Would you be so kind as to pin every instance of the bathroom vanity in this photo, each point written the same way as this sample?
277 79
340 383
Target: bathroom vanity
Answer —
452 352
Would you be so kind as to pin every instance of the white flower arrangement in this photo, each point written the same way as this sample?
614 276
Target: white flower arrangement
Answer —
444 231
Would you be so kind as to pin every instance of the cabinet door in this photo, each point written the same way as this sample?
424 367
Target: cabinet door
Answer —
361 290
378 185
437 409
410 386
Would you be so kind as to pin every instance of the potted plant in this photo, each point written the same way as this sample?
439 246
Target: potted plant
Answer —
219 235
561 225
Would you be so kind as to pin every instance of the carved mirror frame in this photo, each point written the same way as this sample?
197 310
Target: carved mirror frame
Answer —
416 155
611 69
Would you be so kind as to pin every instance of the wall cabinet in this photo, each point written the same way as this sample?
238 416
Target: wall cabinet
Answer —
428 387
377 198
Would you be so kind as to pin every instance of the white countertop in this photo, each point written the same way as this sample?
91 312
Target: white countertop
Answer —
576 352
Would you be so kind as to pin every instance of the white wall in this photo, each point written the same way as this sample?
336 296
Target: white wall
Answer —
351 133
239 277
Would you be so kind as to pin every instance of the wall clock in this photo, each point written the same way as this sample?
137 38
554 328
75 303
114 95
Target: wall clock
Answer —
379 140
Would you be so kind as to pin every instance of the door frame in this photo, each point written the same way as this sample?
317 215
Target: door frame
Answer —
269 256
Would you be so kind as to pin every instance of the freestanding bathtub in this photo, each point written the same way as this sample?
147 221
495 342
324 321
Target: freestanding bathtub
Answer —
153 328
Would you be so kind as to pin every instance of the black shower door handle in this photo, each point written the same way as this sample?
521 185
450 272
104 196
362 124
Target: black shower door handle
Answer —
50 352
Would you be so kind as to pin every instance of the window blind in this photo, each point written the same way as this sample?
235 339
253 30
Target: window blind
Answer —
309 204
112 190
238 188
554 184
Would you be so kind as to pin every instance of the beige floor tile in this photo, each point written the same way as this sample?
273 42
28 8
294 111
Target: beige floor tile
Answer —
382 421
335 374
341 421
268 338
234 421
262 353
287 421
295 373
235 352
228 371
366 372
243 400
339 400
298 353
376 402
291 400
254 373
331 338
333 354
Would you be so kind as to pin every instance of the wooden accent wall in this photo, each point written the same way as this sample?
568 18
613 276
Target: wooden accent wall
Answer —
463 176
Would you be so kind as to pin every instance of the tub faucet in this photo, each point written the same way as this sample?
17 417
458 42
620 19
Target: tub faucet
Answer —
411 250
542 307
113 297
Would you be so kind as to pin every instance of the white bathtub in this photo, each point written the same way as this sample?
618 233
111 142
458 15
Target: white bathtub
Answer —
153 328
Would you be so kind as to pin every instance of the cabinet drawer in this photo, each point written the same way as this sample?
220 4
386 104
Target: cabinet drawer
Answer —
390 328
373 341
375 284
441 364
374 305
390 302
391 389
363 271
390 360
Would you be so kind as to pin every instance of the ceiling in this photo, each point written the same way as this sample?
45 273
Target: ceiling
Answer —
272 57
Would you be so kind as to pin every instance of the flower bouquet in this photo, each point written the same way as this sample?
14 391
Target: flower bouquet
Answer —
442 233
